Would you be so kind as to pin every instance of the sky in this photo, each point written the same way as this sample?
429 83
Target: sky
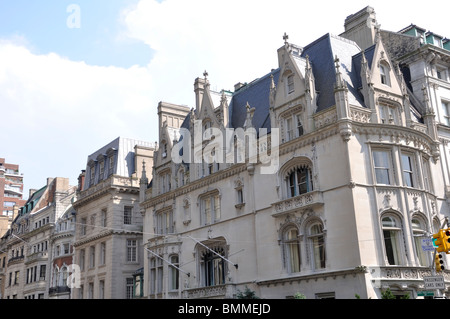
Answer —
75 75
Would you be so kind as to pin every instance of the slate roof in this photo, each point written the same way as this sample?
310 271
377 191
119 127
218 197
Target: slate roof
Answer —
322 53
256 94
124 163
369 53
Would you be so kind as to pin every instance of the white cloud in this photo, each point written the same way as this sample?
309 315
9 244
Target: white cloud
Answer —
236 41
55 112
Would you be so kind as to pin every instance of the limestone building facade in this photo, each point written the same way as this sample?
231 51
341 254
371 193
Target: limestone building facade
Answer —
28 244
321 177
108 233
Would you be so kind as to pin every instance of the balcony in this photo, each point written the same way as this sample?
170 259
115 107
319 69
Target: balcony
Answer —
58 290
15 260
309 200
13 189
220 291
39 256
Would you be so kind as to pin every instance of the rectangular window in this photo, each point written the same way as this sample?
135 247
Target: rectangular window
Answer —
82 259
240 196
102 253
103 218
129 287
389 115
101 289
289 132
127 215
446 113
91 290
92 257
384 75
441 73
299 126
131 250
92 176
210 209
83 226
407 167
382 167
111 165
290 83
101 170
42 272
426 174
164 222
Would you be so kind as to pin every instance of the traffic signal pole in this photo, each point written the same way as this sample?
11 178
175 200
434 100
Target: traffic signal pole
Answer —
433 268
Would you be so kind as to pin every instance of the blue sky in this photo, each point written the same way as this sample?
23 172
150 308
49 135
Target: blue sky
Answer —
44 26
65 92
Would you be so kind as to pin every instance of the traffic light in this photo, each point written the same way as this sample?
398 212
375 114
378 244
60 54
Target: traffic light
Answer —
446 239
441 241
438 262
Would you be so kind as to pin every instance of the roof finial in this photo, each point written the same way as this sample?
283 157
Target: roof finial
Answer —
205 74
285 38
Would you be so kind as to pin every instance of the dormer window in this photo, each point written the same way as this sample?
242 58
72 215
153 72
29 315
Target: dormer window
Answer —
384 75
164 153
290 84
101 170
111 165
441 73
92 175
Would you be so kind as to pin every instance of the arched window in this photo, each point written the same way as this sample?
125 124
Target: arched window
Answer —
419 232
392 239
55 277
211 260
291 247
64 276
316 238
299 181
213 267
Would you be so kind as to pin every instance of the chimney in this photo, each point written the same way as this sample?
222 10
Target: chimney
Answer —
31 192
81 180
199 89
362 27
238 86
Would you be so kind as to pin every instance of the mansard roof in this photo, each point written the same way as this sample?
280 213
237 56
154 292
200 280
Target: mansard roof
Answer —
124 165
322 54
357 59
256 94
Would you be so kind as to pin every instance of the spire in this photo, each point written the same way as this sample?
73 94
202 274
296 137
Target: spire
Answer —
224 109
426 100
272 82
205 74
285 38
364 67
308 69
249 120
144 179
340 83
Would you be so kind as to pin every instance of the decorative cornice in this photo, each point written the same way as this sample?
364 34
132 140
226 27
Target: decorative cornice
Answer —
320 275
92 238
116 183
